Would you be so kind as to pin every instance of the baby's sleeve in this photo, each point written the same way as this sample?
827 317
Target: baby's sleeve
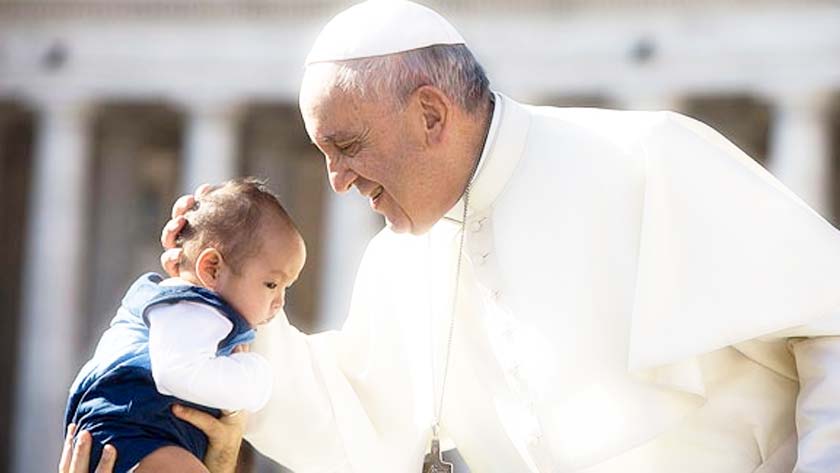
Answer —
183 339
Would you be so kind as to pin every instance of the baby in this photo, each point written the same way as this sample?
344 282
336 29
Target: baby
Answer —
176 340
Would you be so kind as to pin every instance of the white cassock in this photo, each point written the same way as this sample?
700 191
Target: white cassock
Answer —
631 294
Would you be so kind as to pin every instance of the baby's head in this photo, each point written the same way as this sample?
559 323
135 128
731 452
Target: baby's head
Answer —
241 243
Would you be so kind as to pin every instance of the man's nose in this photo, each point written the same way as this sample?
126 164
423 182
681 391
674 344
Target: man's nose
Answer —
341 176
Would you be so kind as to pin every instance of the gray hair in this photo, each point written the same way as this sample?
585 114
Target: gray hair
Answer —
451 68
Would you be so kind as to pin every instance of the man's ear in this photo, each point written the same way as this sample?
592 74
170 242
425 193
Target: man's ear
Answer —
208 267
435 107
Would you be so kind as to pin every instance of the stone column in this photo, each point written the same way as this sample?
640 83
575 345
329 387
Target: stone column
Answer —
53 284
799 148
349 223
4 119
112 267
210 146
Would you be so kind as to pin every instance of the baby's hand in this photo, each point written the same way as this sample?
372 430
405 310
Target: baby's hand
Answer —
244 348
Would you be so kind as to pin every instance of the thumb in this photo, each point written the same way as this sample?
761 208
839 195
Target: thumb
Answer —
201 420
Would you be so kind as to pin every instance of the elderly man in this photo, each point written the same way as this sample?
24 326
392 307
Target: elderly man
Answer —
559 290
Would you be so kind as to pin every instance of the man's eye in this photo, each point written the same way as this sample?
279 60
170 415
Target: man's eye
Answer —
349 149
271 285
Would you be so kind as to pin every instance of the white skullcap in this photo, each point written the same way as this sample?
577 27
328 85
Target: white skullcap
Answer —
380 27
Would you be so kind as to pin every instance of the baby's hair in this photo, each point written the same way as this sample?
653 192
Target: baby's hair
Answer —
228 218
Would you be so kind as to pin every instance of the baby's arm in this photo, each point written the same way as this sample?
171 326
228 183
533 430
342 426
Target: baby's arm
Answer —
183 339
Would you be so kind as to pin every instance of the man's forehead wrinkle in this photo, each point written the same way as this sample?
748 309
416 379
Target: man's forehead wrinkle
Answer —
336 137
336 117
332 131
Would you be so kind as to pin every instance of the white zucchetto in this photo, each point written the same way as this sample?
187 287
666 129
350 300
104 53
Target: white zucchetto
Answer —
380 27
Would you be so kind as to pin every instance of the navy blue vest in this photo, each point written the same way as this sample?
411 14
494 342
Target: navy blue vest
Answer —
114 396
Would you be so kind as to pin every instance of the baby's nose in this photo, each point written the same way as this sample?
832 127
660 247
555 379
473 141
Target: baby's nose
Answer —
276 304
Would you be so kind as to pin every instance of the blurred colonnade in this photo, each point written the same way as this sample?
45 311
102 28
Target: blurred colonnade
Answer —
110 110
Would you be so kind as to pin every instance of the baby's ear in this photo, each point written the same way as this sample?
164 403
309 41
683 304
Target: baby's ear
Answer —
208 267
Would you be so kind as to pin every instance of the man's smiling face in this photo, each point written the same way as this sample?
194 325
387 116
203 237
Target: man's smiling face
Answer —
376 146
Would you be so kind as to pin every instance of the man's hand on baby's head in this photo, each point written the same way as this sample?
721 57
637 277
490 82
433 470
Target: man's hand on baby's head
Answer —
182 205
169 235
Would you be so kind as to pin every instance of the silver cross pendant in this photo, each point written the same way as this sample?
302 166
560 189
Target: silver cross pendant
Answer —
434 460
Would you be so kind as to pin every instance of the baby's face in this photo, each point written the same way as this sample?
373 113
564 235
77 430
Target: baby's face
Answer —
258 292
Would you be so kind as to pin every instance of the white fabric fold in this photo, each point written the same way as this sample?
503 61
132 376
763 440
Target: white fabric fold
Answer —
727 253
817 406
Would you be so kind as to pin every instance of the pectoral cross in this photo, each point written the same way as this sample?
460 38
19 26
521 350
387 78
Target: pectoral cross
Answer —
434 460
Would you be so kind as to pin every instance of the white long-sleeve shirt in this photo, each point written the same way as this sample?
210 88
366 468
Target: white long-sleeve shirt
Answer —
183 339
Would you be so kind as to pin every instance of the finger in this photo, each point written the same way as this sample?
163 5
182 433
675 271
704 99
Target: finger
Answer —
109 458
67 449
243 348
170 231
184 203
81 453
202 420
169 261
203 189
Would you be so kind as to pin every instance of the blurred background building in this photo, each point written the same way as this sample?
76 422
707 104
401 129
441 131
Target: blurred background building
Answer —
110 109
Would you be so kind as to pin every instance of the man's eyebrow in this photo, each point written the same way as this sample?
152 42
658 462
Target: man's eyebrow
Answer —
336 137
